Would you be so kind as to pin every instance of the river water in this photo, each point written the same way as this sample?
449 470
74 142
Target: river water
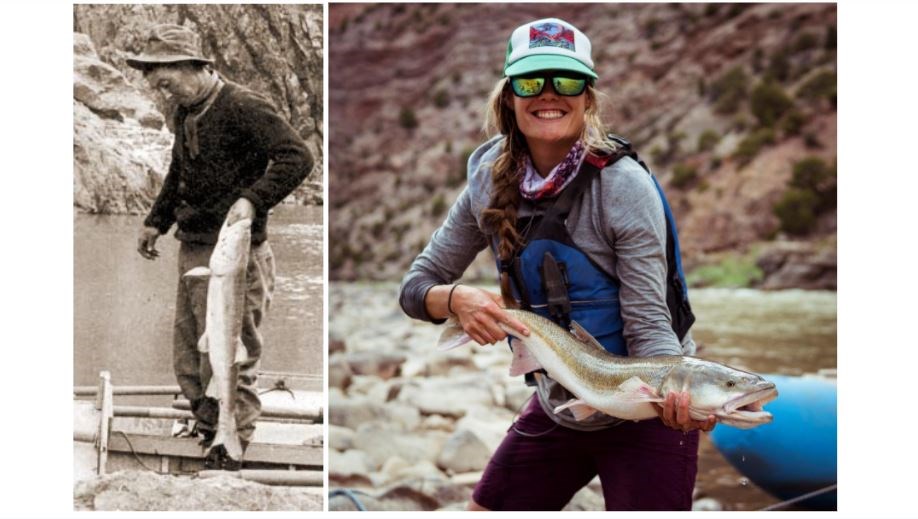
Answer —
123 304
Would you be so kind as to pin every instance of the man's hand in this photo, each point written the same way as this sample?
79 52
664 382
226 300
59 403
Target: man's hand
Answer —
146 242
480 313
675 414
242 209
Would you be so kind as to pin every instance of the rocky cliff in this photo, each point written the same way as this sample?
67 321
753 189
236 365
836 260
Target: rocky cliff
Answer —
723 101
121 138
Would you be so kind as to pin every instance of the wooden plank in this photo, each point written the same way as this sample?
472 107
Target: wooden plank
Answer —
300 455
140 411
105 420
311 413
169 413
128 390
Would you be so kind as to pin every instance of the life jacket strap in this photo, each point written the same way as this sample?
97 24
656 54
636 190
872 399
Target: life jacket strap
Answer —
554 282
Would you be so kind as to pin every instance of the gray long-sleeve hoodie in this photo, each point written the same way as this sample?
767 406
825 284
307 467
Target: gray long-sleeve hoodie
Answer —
618 222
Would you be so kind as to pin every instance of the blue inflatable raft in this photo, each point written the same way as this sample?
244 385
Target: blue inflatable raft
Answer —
796 454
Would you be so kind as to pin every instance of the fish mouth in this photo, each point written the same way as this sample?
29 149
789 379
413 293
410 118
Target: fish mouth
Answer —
748 408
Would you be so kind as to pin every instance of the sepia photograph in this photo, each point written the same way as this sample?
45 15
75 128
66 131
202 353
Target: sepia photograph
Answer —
582 257
198 281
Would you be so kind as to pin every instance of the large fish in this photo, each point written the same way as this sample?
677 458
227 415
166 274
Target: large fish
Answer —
628 387
222 338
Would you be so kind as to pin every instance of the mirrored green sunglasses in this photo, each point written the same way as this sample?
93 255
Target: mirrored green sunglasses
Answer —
564 84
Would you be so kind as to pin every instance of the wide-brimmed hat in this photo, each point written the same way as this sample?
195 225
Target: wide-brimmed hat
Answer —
169 43
548 44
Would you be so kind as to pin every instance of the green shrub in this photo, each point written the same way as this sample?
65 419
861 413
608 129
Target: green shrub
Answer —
792 123
757 57
650 28
441 99
778 66
715 163
711 9
814 175
752 144
811 141
438 207
729 90
796 211
707 140
769 102
407 119
683 175
831 41
811 192
730 272
805 41
824 84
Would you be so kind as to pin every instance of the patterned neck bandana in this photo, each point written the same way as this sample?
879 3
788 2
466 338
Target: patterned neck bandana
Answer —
534 187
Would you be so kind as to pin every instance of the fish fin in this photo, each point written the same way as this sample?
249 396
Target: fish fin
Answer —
453 336
203 344
523 362
584 336
242 354
580 409
197 272
211 390
633 399
640 390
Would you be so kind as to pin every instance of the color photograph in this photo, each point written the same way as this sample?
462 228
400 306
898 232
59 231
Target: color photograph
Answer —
582 257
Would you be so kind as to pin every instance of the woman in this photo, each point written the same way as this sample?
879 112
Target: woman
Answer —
608 248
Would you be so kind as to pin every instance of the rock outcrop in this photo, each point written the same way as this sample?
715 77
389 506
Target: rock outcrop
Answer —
121 148
120 124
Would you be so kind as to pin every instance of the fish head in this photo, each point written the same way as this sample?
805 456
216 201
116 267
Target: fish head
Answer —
734 396
232 250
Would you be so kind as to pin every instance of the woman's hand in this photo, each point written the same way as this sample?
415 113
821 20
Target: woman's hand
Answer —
480 313
675 414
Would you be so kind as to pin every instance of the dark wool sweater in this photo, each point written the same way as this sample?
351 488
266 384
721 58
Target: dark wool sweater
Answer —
247 151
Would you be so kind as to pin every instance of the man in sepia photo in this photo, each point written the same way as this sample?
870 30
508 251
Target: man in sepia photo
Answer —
233 158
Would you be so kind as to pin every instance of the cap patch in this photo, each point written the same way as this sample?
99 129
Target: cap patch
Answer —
551 34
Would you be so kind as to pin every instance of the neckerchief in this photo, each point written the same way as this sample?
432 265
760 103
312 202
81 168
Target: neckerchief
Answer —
195 112
533 186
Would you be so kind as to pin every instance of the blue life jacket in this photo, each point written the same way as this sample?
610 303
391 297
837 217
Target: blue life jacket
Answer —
551 276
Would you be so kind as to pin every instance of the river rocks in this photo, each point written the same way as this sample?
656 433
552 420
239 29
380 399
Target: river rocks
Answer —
340 438
382 365
339 371
463 452
349 464
447 396
381 441
799 265
350 412
584 500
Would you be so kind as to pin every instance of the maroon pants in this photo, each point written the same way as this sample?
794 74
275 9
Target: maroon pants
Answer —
540 465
